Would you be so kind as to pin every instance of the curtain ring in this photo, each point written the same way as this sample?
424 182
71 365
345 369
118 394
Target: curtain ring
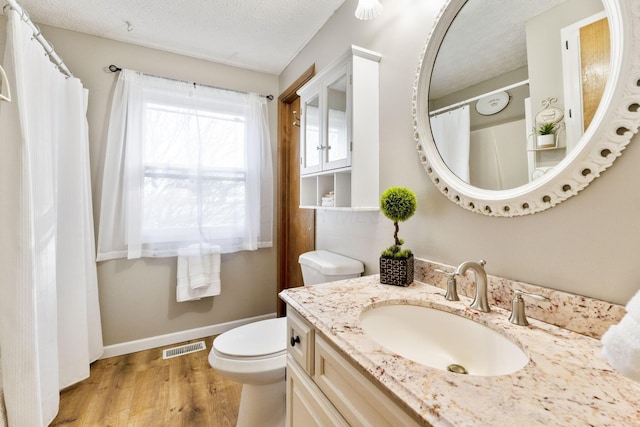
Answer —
38 34
5 7
51 51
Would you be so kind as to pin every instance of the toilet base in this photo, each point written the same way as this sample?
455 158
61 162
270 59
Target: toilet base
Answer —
262 405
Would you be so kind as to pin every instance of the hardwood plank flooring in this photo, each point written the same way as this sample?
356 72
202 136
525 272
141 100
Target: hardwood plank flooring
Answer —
143 390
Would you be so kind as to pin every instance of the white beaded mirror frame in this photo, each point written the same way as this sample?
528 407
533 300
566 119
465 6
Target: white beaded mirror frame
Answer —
611 130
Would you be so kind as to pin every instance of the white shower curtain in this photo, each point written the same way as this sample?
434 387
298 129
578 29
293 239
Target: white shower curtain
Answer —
451 134
49 313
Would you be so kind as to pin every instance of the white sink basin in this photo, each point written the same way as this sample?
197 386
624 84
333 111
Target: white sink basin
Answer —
439 339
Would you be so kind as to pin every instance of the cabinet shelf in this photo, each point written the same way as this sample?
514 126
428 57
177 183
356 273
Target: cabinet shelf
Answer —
339 148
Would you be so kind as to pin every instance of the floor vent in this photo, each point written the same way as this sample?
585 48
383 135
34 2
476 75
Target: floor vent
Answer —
183 349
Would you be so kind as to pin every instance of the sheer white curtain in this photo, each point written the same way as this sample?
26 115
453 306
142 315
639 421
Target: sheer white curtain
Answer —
451 134
185 165
49 313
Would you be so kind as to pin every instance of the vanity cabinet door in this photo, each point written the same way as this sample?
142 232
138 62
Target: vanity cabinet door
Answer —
306 405
300 339
357 399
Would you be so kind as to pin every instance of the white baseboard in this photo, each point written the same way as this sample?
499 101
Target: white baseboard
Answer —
177 337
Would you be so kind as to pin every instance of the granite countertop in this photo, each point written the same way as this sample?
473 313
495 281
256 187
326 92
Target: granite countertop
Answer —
565 383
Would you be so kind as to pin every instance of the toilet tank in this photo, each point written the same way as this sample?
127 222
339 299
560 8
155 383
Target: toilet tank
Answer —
324 266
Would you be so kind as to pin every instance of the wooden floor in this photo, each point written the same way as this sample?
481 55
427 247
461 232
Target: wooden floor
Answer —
142 389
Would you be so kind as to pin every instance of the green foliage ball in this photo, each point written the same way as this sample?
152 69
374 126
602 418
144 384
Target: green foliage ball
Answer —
397 252
398 204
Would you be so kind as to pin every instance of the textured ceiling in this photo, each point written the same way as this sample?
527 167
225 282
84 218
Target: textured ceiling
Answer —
262 35
487 37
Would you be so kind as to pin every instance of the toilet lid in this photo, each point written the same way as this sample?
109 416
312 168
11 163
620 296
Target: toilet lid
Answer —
254 339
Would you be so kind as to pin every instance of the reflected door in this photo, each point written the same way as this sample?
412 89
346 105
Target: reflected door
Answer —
585 62
594 66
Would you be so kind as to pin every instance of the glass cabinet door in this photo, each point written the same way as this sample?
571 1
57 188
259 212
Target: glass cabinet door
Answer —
311 146
337 153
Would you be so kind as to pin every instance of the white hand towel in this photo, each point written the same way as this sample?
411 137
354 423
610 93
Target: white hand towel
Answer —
198 274
204 269
633 306
183 268
621 347
199 271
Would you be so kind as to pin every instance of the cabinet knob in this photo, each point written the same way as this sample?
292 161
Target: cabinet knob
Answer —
295 340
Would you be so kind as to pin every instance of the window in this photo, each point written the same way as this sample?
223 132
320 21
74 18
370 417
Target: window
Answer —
185 165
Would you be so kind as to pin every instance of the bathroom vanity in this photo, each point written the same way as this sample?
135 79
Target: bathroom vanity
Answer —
325 388
338 375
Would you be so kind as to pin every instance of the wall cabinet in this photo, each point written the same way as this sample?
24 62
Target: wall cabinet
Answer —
331 391
339 147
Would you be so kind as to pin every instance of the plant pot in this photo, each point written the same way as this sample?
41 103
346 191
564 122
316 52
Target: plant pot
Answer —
546 141
394 271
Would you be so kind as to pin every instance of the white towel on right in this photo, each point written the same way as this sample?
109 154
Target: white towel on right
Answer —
633 306
621 345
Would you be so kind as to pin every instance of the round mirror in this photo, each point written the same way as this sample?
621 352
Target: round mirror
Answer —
517 109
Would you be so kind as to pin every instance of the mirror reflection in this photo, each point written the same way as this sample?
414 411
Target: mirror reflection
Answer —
514 88
337 119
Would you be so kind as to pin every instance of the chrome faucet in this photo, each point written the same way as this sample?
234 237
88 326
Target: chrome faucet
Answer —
480 301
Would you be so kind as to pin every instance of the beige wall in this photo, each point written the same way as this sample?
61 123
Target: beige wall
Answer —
137 298
588 245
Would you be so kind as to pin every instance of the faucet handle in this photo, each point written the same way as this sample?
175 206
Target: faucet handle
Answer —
518 316
452 291
448 273
482 262
532 295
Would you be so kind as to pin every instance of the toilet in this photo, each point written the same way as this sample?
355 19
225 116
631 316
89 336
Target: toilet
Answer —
255 354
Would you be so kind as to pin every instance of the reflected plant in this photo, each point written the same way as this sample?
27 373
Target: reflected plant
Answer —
546 128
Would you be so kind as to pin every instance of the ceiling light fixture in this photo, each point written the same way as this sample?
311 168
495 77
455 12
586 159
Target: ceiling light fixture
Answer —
368 9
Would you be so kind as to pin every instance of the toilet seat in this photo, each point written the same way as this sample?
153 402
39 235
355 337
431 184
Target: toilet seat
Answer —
252 354
254 339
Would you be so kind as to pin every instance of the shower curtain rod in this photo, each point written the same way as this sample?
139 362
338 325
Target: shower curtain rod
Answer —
475 98
48 48
115 69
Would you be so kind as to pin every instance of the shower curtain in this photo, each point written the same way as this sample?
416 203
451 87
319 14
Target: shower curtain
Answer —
49 313
451 134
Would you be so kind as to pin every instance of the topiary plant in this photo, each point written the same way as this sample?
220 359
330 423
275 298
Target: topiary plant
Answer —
398 204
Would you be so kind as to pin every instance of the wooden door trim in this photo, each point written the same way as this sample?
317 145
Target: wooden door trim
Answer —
285 99
289 94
